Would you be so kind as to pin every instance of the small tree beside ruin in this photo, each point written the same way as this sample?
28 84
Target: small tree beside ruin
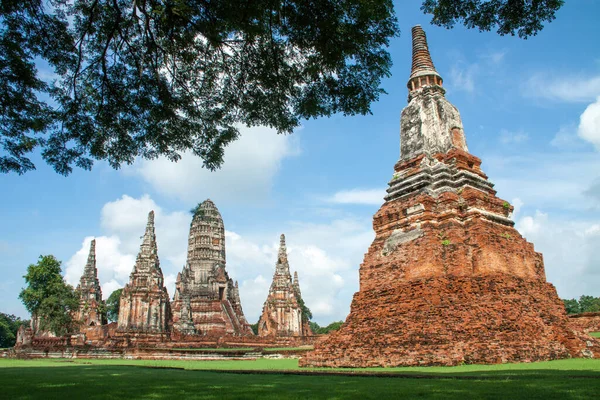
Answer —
49 299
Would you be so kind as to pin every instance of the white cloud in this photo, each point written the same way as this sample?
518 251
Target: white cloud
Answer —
517 204
567 138
530 225
113 265
358 196
126 217
508 137
570 251
589 124
462 77
566 88
109 287
546 180
250 164
495 57
593 191
124 222
253 293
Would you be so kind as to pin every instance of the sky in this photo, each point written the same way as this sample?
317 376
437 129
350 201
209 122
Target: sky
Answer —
531 112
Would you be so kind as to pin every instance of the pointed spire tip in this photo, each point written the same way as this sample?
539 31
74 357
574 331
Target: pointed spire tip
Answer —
423 72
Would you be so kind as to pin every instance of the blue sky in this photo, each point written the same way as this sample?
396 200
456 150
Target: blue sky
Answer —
531 111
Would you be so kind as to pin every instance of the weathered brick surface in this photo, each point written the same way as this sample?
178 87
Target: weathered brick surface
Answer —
207 300
144 303
282 312
586 322
465 290
450 321
448 279
90 293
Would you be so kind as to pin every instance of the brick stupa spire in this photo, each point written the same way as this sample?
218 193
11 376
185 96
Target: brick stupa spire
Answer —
423 72
448 279
282 311
144 304
297 284
90 292
206 299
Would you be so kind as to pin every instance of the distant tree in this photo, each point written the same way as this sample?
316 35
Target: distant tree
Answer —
584 304
334 326
572 306
7 336
157 78
254 328
112 305
522 17
589 304
314 327
49 299
306 313
9 325
321 330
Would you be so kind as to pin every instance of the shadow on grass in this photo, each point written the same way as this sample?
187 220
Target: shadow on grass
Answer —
126 382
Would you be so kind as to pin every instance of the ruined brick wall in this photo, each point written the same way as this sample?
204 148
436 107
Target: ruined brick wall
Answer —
448 279
586 322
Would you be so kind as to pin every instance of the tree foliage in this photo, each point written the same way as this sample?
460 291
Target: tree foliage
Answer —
322 330
254 328
49 299
306 313
9 325
86 80
522 17
158 77
113 304
572 306
584 304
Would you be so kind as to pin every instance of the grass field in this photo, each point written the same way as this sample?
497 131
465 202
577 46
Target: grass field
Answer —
133 379
595 334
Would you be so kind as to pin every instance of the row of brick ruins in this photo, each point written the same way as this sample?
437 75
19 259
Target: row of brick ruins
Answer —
447 279
206 301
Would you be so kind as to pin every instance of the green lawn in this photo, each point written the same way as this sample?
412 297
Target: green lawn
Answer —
121 379
209 349
595 334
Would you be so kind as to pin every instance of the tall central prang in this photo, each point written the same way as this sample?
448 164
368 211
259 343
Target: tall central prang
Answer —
206 300
447 279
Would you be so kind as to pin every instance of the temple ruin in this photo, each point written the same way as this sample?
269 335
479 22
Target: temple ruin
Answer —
207 301
282 313
447 279
90 293
144 304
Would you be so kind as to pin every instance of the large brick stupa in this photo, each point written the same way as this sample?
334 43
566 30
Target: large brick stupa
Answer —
448 279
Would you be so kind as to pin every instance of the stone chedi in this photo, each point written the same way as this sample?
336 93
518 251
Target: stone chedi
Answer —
447 279
282 313
207 301
144 304
90 293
